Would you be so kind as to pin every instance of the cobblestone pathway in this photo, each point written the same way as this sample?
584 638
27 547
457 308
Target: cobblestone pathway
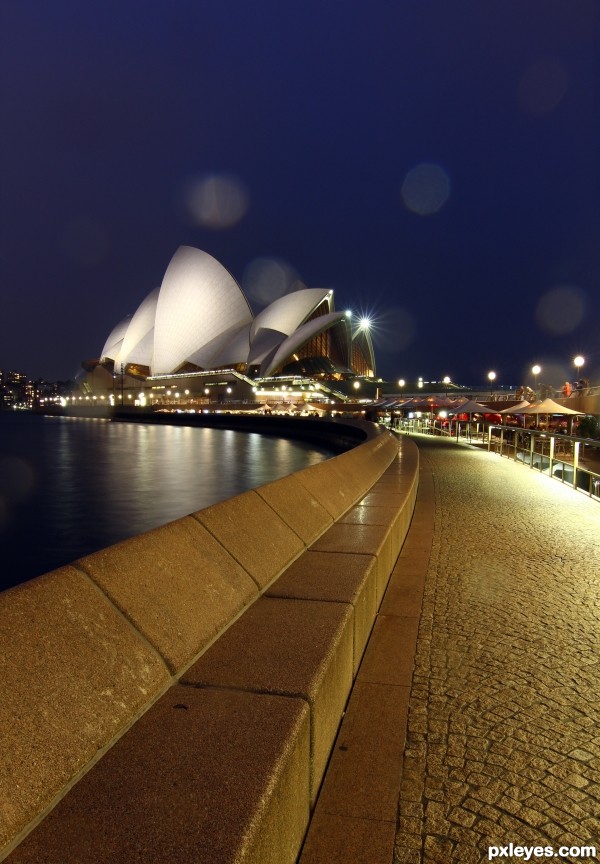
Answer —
504 726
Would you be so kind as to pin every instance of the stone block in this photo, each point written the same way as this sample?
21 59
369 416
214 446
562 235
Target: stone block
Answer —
361 540
395 499
370 745
392 646
374 456
74 674
332 484
335 577
388 483
340 482
344 840
389 517
293 648
254 534
177 584
298 508
404 594
205 776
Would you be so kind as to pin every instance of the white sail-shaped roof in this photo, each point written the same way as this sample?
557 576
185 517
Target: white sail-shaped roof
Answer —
264 345
138 343
207 354
298 338
198 301
287 313
200 316
112 346
236 349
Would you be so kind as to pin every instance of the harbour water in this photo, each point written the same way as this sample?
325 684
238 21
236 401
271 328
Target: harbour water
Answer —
69 487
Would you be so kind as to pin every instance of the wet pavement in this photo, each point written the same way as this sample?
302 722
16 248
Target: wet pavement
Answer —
503 741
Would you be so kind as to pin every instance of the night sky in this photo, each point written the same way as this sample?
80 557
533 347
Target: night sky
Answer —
435 162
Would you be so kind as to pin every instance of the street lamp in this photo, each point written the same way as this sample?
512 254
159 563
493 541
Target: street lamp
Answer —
536 371
420 383
446 382
492 378
579 361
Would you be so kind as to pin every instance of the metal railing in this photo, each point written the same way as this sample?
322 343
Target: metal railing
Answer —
574 461
459 429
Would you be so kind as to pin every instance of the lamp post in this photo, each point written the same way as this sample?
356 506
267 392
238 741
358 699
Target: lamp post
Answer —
492 378
578 362
536 371
446 381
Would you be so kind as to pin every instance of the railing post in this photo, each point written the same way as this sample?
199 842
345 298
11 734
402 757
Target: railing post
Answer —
575 463
531 446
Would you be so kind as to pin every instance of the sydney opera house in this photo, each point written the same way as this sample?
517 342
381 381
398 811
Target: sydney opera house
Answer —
198 329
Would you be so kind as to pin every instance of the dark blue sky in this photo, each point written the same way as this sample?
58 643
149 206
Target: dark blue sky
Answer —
435 162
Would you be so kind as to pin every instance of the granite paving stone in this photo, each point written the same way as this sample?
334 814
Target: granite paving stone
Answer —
504 712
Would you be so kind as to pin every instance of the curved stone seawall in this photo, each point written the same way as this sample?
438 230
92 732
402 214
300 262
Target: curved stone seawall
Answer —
175 697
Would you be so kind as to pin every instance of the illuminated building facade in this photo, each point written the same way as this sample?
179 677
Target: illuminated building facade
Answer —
199 321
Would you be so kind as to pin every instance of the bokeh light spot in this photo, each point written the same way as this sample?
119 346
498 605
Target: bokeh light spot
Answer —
425 189
560 310
215 201
542 87
266 279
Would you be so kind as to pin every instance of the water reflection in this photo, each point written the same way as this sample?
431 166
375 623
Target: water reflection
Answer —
93 483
